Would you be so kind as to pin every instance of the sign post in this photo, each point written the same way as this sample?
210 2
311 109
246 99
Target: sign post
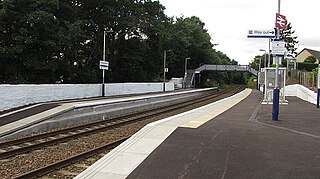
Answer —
104 65
318 98
280 24
103 59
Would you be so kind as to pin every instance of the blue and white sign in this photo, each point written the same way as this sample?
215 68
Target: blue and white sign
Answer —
262 33
278 47
104 65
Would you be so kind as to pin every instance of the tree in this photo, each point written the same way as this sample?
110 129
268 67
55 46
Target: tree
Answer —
291 41
62 41
310 59
255 63
189 38
28 40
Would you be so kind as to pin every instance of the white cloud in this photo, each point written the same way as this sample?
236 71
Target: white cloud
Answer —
227 22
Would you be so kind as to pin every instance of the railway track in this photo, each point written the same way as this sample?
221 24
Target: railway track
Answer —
40 141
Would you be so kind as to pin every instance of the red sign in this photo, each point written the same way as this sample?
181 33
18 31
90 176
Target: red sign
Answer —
281 21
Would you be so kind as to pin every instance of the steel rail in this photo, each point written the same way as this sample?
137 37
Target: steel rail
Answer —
63 163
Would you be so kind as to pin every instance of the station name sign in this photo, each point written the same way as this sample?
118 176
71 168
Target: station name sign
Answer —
104 65
262 33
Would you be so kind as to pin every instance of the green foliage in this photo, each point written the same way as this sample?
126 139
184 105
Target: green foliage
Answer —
290 40
28 40
284 62
306 66
250 82
62 41
315 74
260 58
310 59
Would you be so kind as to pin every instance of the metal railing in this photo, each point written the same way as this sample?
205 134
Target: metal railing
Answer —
224 68
307 79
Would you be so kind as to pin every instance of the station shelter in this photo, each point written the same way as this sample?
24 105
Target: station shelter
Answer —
266 81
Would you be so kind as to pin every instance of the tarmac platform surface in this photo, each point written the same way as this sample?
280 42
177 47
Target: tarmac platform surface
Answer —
242 142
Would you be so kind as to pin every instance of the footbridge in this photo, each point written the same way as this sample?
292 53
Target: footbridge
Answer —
222 68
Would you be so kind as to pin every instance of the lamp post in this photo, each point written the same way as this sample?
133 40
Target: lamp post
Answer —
164 68
265 57
259 70
269 52
260 64
318 96
259 67
185 72
104 59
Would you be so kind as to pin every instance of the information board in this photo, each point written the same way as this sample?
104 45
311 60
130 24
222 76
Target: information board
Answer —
278 48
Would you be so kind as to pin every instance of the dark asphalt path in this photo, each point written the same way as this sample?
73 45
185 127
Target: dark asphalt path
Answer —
231 146
299 115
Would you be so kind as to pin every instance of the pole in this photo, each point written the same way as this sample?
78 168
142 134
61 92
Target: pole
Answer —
104 59
164 70
185 72
258 86
265 59
269 53
260 64
318 97
275 105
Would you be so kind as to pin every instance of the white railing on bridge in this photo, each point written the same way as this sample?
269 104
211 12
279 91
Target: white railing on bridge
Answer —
224 68
228 68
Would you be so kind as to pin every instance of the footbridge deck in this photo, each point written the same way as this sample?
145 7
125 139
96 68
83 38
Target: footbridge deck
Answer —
224 68
228 68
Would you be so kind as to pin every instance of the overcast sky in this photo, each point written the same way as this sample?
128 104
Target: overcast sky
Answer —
228 22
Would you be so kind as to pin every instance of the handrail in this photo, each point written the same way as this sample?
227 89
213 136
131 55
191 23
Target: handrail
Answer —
225 68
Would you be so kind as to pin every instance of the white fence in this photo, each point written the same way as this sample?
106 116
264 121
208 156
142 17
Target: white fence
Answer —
12 96
301 92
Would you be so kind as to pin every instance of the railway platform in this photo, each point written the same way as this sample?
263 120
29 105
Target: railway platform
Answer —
22 119
232 138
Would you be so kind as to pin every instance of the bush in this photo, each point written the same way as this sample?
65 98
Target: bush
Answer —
251 84
306 66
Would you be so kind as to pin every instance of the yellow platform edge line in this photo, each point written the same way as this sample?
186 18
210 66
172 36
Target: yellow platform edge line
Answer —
217 110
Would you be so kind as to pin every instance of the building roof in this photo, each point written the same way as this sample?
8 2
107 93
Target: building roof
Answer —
312 52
